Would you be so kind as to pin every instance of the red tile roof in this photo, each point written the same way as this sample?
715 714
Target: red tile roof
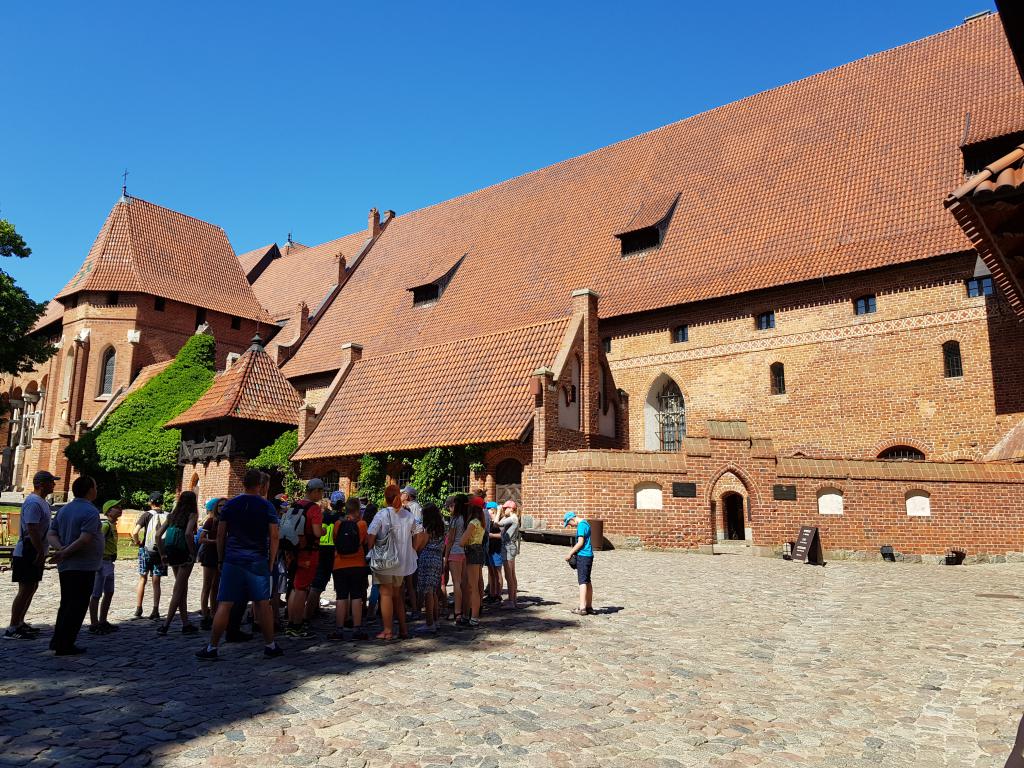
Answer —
470 391
145 248
304 274
1011 447
250 259
54 311
252 389
785 186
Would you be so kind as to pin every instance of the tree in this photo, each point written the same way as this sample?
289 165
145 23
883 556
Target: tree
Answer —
19 351
276 457
131 446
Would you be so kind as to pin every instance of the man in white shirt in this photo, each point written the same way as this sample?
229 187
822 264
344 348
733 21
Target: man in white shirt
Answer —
30 554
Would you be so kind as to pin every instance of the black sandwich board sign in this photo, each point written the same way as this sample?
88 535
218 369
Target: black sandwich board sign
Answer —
808 547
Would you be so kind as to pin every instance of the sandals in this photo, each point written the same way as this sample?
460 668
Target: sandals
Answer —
387 637
578 611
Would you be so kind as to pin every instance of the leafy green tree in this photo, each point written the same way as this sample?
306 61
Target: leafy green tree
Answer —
276 457
371 477
19 352
131 450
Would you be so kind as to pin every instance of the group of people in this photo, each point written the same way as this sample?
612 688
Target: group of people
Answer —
266 557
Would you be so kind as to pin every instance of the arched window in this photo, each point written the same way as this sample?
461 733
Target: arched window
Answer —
919 503
830 501
648 496
951 359
901 453
671 417
67 373
778 377
109 362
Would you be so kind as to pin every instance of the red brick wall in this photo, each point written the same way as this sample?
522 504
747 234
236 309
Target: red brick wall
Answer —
213 478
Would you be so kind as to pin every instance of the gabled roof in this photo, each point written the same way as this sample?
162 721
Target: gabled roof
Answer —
146 248
790 185
54 311
252 389
470 391
304 274
250 259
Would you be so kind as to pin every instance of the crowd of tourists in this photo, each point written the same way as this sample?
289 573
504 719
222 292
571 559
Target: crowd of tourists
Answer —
266 562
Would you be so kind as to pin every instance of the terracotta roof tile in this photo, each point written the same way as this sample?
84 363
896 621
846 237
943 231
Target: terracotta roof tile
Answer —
250 259
252 389
470 391
1011 447
54 311
304 274
145 248
785 186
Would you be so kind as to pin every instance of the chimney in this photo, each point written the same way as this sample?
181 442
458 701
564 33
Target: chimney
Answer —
342 266
373 227
350 353
388 216
307 421
303 318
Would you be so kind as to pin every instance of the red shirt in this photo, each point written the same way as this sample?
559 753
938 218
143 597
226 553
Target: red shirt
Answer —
314 516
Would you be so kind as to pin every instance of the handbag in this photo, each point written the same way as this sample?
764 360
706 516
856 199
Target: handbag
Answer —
573 561
385 556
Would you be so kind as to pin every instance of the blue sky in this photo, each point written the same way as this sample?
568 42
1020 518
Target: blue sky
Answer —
266 118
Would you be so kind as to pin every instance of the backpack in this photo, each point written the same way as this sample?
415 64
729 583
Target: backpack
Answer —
293 525
346 541
156 519
174 543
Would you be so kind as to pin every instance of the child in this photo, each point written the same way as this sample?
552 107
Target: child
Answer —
429 564
349 571
104 582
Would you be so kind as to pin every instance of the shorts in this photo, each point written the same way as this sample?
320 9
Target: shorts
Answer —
387 580
511 551
104 582
324 568
25 571
149 562
475 555
244 581
495 560
305 569
208 555
279 582
584 566
350 584
456 557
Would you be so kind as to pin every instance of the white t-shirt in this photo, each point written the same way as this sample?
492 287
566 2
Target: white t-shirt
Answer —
403 525
35 509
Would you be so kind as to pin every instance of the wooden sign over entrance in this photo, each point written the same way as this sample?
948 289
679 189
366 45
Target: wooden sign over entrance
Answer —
808 546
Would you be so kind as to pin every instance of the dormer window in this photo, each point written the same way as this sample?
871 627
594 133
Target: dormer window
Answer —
645 230
430 293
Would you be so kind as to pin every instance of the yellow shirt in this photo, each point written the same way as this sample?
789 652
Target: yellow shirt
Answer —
476 532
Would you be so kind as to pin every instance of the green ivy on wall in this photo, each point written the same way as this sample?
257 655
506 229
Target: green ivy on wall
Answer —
433 471
276 457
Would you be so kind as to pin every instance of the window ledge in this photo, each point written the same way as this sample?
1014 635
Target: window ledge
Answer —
103 398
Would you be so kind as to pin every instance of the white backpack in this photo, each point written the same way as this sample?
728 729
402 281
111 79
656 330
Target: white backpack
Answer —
293 525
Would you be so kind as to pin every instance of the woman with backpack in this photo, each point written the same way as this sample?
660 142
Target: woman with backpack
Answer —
428 566
511 537
397 533
349 571
207 557
176 541
455 554
476 557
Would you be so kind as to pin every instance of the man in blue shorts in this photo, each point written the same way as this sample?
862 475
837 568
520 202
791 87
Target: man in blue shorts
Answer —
584 561
247 540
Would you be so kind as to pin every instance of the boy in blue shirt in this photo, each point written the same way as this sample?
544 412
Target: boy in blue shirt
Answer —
584 561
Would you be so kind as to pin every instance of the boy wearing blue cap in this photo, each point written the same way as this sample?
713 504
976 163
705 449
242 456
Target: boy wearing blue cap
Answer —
584 561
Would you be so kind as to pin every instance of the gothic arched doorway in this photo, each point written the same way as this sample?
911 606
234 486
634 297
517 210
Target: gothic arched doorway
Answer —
508 481
732 512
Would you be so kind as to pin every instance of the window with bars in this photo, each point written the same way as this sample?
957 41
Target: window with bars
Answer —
952 361
680 334
901 453
979 286
766 321
107 366
865 305
404 475
671 417
778 379
330 481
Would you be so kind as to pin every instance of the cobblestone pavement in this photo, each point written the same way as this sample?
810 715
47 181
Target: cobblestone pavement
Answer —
694 661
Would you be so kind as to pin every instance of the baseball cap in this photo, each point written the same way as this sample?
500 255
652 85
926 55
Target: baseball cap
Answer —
338 497
476 501
409 491
109 505
568 518
316 484
42 476
491 505
510 504
211 504
156 498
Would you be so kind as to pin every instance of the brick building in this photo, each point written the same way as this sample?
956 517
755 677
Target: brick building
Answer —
707 335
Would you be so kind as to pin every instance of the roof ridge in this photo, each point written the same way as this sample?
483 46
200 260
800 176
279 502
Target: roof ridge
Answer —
666 126
178 213
454 342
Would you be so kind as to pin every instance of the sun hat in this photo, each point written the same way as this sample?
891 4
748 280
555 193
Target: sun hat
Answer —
109 505
568 518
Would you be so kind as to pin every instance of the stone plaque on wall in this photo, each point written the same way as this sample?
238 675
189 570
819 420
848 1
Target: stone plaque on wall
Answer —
684 490
784 492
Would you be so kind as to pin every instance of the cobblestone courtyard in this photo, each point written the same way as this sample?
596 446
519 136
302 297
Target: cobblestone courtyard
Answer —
694 660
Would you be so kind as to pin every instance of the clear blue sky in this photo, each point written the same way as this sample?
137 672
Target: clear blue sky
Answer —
266 118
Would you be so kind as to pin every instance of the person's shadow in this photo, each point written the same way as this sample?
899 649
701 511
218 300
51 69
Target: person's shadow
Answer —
1016 758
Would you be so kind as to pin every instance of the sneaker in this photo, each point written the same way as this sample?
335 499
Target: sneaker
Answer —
108 627
325 603
301 631
273 653
237 637
206 624
18 634
474 623
207 654
137 614
26 627
336 635
155 615
591 612
162 630
96 629
74 650
190 629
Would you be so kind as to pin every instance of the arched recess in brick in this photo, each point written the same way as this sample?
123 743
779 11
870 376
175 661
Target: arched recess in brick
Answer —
731 481
664 414
894 441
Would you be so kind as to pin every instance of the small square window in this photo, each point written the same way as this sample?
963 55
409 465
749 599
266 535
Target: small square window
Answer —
979 286
159 303
236 323
606 343
865 305
766 321
112 299
200 316
680 334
